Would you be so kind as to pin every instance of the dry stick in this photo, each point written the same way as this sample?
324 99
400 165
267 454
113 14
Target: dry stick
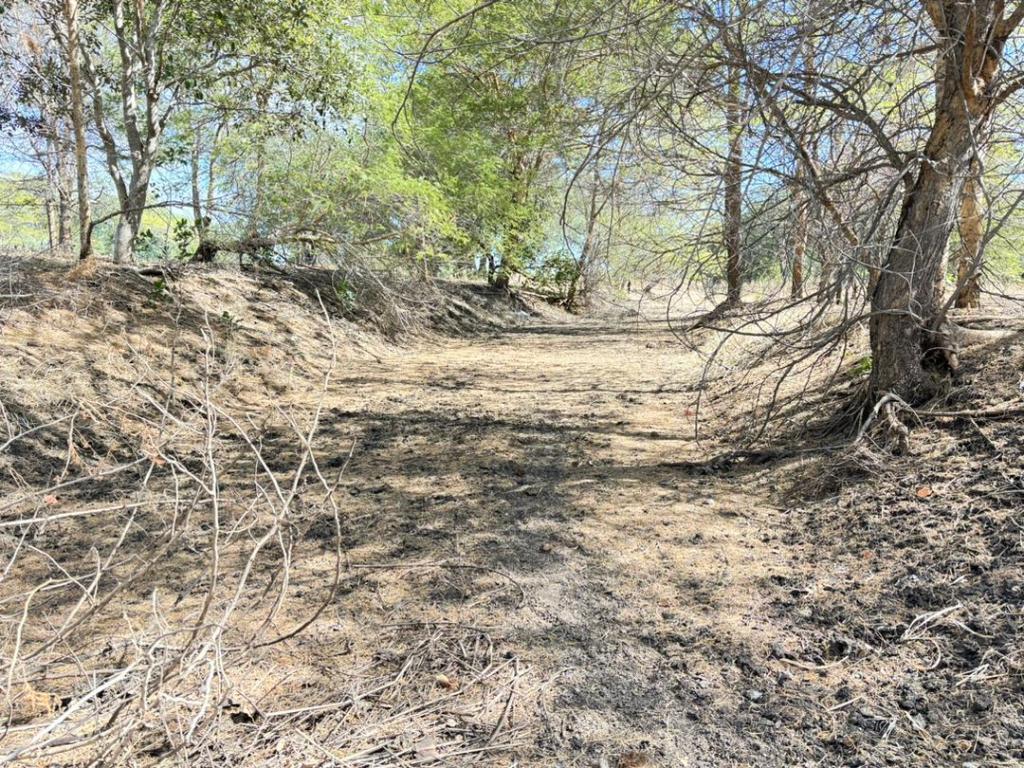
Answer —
508 703
36 428
211 427
336 579
121 585
77 703
814 667
65 629
17 647
69 483
29 521
846 703
925 620
987 440
1007 409
14 555
328 488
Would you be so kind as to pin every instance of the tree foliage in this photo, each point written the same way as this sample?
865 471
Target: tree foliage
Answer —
559 145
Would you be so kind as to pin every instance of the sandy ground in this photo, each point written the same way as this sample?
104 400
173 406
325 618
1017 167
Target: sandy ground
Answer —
548 454
543 486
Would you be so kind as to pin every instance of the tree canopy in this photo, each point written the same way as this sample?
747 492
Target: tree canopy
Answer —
859 156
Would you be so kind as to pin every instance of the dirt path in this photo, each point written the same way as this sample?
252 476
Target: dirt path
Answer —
539 568
545 454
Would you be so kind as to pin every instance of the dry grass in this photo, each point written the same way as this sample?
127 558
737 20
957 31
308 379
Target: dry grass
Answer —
238 528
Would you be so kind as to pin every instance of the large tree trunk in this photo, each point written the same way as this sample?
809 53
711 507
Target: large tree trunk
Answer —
911 353
503 276
129 223
78 127
971 230
905 305
733 235
124 239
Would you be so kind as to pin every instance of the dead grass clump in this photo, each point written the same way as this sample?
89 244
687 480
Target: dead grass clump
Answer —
428 695
161 471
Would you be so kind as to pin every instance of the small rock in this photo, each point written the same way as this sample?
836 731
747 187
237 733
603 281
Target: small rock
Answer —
754 695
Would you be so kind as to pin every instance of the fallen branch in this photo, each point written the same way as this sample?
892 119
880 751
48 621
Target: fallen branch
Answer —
256 245
1000 411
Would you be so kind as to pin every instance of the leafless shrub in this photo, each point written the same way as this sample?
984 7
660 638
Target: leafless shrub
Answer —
76 571
157 586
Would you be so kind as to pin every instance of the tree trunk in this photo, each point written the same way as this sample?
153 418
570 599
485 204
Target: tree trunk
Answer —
128 225
492 269
734 192
577 291
971 228
502 277
78 127
796 285
808 136
905 304
911 354
197 205
124 239
64 216
51 221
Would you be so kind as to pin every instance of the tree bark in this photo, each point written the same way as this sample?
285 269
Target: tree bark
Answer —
733 234
492 269
78 128
197 204
51 221
912 355
971 230
129 223
800 229
64 218
577 291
